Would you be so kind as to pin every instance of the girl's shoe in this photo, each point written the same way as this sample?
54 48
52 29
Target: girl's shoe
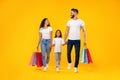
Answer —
57 69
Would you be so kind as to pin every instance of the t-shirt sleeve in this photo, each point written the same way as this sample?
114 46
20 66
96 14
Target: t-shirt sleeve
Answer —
63 41
40 30
68 24
82 23
50 28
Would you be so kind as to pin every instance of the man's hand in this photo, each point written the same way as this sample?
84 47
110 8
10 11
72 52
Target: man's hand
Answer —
85 43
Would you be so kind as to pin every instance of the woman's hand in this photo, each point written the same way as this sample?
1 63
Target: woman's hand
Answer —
37 48
50 45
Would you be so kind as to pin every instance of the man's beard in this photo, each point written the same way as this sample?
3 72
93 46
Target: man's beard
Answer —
72 16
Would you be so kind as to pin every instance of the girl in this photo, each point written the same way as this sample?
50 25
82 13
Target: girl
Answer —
45 38
58 42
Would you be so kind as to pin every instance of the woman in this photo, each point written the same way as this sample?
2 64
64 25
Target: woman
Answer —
45 38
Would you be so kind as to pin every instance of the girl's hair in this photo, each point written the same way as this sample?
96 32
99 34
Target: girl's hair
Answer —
60 33
43 22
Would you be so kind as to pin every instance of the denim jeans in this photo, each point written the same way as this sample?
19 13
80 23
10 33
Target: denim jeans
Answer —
45 48
70 44
58 58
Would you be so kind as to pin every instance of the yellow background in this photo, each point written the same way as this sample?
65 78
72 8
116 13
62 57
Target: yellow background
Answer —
19 24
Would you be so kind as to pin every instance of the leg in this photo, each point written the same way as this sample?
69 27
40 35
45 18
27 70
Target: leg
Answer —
69 49
57 59
43 49
77 52
48 51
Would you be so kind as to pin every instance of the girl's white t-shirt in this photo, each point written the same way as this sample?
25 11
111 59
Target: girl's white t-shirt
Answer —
45 32
58 44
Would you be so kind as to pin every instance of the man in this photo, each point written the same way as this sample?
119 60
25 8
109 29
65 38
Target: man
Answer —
73 33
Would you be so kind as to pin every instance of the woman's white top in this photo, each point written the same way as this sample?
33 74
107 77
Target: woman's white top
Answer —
45 32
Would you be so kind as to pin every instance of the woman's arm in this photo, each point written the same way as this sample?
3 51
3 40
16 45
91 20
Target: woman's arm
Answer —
50 38
39 40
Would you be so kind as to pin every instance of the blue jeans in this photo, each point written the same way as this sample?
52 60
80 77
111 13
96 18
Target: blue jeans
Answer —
70 44
45 48
58 58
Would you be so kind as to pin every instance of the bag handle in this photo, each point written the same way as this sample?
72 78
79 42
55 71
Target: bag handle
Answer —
37 49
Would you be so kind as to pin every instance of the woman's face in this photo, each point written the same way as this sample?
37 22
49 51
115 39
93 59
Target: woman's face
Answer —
58 34
46 22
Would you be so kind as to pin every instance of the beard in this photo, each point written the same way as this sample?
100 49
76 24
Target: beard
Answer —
72 16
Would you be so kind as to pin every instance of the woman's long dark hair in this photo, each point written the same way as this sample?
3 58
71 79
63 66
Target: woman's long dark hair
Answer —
43 22
60 33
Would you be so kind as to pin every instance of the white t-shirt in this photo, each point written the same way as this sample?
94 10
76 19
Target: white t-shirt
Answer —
75 25
58 44
45 32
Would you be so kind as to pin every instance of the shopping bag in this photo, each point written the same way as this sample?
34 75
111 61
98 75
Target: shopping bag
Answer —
82 57
31 60
89 56
39 59
85 57
34 59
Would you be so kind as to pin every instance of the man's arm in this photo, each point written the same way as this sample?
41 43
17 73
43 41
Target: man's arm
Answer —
66 33
84 34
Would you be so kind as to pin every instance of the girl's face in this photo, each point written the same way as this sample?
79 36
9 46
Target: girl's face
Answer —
46 22
58 33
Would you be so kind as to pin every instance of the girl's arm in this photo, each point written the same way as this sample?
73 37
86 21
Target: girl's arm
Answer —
39 40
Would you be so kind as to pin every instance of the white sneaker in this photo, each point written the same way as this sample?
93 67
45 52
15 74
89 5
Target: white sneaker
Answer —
75 70
57 69
45 69
69 65
47 66
59 66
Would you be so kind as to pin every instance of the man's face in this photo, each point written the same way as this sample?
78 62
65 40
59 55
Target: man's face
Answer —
72 14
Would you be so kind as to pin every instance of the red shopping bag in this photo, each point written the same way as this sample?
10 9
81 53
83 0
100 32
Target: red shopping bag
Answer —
39 59
89 56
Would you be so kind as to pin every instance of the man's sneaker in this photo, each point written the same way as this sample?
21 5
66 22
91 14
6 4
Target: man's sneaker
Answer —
45 69
75 70
69 65
57 69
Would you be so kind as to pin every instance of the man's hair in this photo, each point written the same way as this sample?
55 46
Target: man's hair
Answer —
74 10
